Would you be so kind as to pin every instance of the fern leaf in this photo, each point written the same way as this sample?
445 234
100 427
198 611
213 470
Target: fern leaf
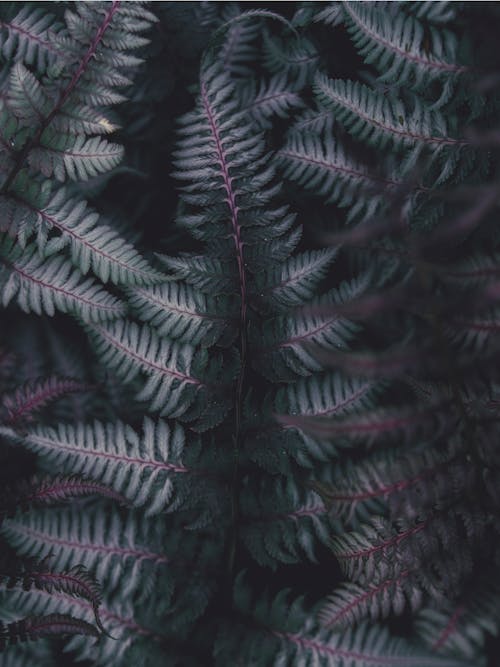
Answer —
42 286
206 274
272 98
284 523
26 98
294 282
124 551
383 122
283 631
29 37
180 312
395 45
296 59
285 353
143 469
331 14
328 170
35 627
93 246
38 574
118 619
75 158
170 371
239 50
461 627
41 491
35 394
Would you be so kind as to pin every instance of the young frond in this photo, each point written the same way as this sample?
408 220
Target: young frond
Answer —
42 285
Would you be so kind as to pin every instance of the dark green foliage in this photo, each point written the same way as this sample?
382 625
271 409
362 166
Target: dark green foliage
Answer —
276 419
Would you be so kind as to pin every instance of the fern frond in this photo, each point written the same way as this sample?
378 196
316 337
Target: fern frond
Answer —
180 312
439 12
36 627
43 285
294 282
171 372
76 158
35 394
384 122
320 165
331 14
26 100
29 37
239 49
143 469
296 59
124 551
271 98
280 630
117 618
460 628
395 45
207 274
93 246
283 523
76 582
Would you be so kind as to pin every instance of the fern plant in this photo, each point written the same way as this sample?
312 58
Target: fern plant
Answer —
288 438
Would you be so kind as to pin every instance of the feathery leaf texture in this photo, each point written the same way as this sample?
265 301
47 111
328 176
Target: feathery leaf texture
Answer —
42 286
42 491
143 469
396 45
284 633
35 394
93 246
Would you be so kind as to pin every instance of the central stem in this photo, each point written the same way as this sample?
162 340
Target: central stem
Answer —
238 242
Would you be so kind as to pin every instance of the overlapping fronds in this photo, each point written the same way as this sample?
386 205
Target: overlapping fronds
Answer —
283 632
143 468
42 285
